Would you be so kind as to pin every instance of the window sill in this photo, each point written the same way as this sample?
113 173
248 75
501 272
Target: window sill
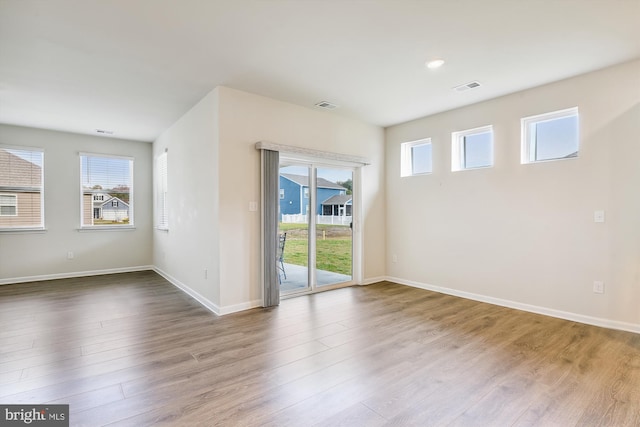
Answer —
107 228
163 229
23 230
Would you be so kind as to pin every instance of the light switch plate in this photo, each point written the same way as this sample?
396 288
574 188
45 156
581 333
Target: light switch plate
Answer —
253 206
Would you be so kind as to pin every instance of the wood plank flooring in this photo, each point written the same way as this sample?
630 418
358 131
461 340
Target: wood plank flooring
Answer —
132 350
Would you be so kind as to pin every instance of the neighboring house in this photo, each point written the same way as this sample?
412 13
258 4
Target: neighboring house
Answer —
338 205
20 191
103 206
115 210
294 194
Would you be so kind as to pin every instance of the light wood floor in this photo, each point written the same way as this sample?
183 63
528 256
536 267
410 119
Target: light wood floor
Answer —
130 349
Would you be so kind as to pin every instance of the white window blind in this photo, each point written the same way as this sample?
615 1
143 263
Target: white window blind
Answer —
21 189
161 196
106 184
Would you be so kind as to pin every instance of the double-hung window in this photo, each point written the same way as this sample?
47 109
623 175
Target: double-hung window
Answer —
550 136
106 191
21 189
161 192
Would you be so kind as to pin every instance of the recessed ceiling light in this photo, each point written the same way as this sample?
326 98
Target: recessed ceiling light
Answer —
436 63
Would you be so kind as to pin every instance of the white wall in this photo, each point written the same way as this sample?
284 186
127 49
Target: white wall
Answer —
525 233
214 172
246 119
29 255
191 245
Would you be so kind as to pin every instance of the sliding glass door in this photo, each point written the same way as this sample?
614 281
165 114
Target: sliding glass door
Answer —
333 236
315 243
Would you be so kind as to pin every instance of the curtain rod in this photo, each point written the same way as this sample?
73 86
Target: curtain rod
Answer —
265 145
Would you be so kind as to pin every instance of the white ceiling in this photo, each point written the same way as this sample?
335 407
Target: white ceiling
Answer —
135 66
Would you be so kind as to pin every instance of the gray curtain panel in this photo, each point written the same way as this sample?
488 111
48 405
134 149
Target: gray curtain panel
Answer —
270 174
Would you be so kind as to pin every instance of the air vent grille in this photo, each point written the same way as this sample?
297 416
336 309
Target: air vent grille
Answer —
104 132
467 86
326 105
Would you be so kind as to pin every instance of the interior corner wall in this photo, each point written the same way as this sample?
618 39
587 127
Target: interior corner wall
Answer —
188 253
526 233
28 256
245 119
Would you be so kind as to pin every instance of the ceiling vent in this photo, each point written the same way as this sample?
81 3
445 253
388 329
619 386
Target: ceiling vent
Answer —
326 105
104 132
467 86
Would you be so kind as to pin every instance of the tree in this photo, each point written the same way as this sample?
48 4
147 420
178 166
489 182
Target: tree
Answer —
97 187
348 184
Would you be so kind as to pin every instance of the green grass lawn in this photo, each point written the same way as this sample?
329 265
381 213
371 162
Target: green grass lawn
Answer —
109 222
333 253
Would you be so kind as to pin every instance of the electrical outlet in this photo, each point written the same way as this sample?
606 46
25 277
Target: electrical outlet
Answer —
69 255
598 216
394 258
206 273
598 287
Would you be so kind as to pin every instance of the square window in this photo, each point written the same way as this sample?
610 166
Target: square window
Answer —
306 192
8 205
472 149
416 158
550 136
282 193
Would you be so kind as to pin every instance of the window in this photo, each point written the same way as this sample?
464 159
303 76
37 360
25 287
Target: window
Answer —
472 149
282 193
306 192
161 195
8 205
550 136
21 189
106 191
416 157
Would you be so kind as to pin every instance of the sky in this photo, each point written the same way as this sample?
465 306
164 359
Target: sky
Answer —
34 157
333 175
107 172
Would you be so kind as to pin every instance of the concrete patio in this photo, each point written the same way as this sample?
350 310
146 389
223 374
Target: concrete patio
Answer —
297 278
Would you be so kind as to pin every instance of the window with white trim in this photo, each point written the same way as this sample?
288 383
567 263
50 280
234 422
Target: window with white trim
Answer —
21 188
416 157
550 136
472 148
8 204
161 192
306 192
282 193
110 178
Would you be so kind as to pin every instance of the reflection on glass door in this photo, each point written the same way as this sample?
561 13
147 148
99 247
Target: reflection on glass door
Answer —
293 229
333 226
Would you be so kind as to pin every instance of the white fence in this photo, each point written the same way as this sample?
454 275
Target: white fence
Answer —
320 219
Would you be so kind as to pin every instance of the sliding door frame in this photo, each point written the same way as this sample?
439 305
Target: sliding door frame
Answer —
356 246
316 158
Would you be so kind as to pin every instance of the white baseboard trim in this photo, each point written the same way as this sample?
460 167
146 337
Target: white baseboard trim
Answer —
373 280
228 309
73 274
580 318
208 304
